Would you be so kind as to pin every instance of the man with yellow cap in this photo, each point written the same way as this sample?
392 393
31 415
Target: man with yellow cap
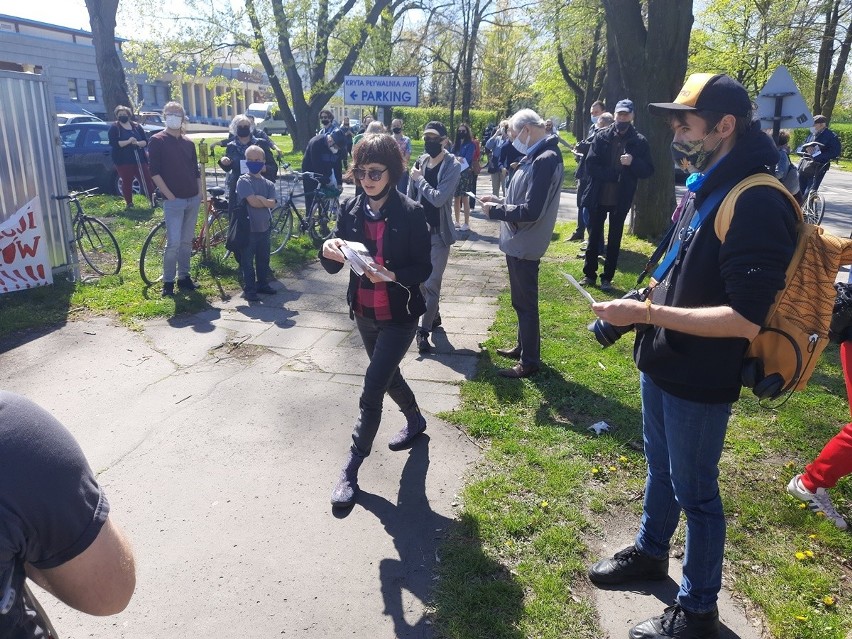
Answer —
694 328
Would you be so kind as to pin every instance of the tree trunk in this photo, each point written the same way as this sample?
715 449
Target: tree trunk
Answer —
830 99
110 69
652 63
826 53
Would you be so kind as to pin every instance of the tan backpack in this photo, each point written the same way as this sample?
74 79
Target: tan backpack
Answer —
782 358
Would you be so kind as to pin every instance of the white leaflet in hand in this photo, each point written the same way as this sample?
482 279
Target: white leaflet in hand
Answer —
576 285
360 260
473 195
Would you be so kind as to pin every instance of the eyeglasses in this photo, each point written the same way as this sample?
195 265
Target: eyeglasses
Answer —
375 175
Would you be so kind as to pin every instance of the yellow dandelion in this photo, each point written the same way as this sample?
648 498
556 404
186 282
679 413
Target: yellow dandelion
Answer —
828 600
544 504
803 506
622 459
809 554
800 556
612 468
790 464
812 536
801 618
819 513
595 470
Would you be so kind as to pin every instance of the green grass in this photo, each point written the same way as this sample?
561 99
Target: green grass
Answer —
125 295
532 513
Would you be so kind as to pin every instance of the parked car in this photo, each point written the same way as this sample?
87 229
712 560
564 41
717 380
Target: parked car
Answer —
87 156
74 118
273 126
151 121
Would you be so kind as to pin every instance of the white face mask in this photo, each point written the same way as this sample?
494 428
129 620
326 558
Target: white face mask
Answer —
174 121
522 147
334 149
594 119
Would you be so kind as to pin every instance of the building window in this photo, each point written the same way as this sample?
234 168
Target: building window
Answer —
90 89
139 93
72 90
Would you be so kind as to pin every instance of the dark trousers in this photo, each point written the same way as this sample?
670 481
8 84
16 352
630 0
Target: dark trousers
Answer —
254 261
613 242
386 343
310 185
523 284
808 182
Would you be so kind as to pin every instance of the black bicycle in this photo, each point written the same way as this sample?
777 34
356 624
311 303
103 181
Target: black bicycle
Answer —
94 240
319 222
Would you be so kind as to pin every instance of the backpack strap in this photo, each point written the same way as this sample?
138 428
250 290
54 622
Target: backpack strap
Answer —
726 211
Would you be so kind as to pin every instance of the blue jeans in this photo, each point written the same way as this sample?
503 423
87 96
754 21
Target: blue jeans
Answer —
255 252
181 216
683 444
386 343
523 287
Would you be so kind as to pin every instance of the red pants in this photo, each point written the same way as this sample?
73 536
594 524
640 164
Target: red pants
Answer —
835 460
129 171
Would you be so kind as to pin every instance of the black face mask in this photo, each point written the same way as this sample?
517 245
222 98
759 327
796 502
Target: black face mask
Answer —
461 134
433 148
243 131
325 122
396 129
622 127
378 196
123 119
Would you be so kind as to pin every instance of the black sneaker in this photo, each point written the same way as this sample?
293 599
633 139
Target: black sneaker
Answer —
250 296
576 236
588 281
628 565
606 285
186 284
168 289
437 321
677 623
423 345
266 289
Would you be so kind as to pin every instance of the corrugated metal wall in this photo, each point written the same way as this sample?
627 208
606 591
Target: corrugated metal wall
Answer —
31 158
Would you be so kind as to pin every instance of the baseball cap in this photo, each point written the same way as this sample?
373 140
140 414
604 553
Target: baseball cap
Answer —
624 106
435 128
708 92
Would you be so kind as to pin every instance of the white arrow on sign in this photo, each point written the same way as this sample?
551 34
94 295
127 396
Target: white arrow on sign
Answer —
795 113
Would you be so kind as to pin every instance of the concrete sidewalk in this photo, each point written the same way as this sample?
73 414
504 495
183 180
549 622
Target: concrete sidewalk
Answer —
218 437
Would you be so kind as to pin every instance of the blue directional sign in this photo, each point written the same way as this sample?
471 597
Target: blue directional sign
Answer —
376 90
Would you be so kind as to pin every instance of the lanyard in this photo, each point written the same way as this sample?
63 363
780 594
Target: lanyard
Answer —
698 218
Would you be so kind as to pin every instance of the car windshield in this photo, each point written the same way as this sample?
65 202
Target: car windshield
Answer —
257 113
152 118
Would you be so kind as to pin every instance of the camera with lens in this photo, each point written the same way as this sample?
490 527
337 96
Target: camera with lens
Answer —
607 334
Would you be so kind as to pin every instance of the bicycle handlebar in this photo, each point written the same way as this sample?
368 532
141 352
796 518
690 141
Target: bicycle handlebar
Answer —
75 195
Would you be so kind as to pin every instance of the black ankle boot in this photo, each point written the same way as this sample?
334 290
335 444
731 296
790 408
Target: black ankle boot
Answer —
415 424
344 492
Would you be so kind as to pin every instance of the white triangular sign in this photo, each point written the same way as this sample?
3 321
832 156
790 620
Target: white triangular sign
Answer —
795 113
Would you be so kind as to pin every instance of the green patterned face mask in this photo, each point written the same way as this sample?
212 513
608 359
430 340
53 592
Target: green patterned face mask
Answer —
692 156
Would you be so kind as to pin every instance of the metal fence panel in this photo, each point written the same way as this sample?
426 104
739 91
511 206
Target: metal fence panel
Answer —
31 158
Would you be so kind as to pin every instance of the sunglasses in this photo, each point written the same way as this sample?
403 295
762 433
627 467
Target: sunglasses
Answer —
374 174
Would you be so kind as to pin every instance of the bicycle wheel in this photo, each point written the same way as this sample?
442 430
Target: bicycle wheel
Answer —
151 259
215 236
818 207
323 217
282 228
97 245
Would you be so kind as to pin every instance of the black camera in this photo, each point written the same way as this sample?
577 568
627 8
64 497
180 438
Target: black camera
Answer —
608 334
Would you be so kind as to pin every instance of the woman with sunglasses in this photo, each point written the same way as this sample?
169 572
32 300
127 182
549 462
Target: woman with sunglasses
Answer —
385 301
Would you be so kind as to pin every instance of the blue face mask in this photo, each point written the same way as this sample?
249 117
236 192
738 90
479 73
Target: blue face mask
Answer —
254 166
594 120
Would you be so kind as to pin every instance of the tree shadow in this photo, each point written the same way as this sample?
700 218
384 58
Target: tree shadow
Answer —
417 532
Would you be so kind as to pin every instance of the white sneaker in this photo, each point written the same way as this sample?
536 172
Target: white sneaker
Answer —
819 502
464 227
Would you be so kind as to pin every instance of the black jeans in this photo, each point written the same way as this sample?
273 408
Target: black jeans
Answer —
386 343
523 284
613 242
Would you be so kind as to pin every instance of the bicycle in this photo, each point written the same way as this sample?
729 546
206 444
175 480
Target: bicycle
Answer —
319 221
209 240
813 208
93 238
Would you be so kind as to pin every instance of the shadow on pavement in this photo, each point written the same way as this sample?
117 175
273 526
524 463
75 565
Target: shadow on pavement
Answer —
417 531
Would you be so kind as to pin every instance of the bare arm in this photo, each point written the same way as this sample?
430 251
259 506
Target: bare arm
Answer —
98 581
713 321
260 202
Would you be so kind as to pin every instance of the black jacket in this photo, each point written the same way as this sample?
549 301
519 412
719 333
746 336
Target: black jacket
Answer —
319 158
407 252
598 169
745 273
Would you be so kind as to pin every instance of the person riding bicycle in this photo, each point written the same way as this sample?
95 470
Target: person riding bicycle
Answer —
822 146
57 527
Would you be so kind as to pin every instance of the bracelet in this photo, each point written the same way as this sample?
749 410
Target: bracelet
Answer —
648 309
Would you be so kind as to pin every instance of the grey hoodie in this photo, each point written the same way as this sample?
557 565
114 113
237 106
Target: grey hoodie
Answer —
441 197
